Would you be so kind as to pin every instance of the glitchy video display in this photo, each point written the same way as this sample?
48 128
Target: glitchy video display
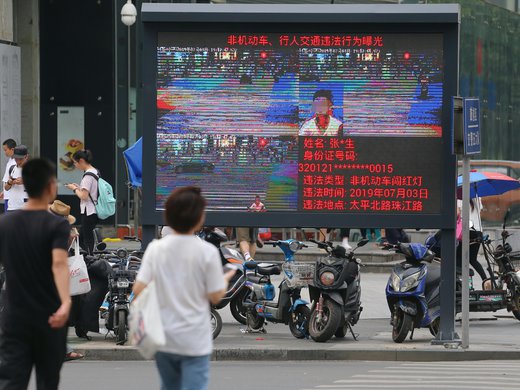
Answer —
306 122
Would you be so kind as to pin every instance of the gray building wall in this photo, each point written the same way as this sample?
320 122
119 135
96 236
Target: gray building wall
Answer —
19 25
6 20
26 35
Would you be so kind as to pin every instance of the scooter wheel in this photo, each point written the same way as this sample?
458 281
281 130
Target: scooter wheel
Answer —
254 321
238 310
516 301
121 328
323 329
299 327
216 323
341 331
434 327
403 323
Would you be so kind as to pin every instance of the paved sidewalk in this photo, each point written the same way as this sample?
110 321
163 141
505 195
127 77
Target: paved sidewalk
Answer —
492 336
490 339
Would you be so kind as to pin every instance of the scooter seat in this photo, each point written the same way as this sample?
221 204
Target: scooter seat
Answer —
269 270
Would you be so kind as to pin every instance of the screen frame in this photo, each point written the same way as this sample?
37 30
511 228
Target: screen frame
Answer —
438 18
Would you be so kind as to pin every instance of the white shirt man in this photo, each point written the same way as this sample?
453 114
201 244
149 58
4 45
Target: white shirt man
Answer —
14 184
8 170
311 127
322 122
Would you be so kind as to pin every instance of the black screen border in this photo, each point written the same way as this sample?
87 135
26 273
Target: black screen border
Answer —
412 19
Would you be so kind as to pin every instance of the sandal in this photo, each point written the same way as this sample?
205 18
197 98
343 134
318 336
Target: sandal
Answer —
73 356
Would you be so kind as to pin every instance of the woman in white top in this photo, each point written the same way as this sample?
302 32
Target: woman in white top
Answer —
87 192
188 276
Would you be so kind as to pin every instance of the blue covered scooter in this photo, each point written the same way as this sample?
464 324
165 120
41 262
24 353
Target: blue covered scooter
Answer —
413 291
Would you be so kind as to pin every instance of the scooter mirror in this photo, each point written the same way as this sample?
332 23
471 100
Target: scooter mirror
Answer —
363 242
101 246
505 220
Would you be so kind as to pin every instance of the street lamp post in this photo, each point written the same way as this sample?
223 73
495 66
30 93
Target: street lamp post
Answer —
128 17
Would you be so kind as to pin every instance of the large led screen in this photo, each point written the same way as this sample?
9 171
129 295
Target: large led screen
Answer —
306 122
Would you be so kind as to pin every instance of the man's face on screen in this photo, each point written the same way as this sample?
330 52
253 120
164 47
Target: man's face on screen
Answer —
321 105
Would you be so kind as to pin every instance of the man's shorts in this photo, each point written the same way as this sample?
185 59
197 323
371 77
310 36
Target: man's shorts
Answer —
246 234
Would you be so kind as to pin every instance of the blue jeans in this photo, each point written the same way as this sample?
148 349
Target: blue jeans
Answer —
180 372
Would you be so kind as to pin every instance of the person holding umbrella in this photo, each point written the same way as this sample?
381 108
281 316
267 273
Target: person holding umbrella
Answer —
475 236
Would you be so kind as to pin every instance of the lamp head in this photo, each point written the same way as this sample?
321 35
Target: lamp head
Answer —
128 13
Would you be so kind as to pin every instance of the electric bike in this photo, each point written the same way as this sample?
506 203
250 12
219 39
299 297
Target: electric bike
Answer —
503 286
289 309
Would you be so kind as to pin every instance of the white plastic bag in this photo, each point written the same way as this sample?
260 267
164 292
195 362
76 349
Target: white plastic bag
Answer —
79 280
146 329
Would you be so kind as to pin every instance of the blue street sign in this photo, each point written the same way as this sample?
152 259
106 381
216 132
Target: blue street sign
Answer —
472 140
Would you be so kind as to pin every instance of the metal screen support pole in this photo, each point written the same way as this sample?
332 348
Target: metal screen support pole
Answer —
447 335
149 233
136 212
465 252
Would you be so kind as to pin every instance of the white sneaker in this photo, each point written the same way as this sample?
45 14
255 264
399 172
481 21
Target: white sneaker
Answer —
345 244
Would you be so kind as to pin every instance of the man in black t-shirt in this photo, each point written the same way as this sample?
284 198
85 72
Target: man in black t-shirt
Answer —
33 250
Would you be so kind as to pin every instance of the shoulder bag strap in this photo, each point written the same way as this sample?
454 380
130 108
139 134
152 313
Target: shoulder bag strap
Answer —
97 179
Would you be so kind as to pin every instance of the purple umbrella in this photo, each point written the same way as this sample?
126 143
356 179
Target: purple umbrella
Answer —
487 184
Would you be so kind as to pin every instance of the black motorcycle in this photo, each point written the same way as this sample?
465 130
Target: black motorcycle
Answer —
335 293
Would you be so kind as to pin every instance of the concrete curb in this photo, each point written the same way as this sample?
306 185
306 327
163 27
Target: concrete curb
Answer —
242 354
365 355
111 354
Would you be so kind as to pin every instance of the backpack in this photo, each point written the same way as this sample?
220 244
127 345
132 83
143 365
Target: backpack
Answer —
106 203
11 169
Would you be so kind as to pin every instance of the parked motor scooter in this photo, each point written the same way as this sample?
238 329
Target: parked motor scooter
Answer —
413 291
289 309
116 307
119 296
237 292
335 293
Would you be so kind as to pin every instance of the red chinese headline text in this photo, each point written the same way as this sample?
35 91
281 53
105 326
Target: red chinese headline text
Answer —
308 40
